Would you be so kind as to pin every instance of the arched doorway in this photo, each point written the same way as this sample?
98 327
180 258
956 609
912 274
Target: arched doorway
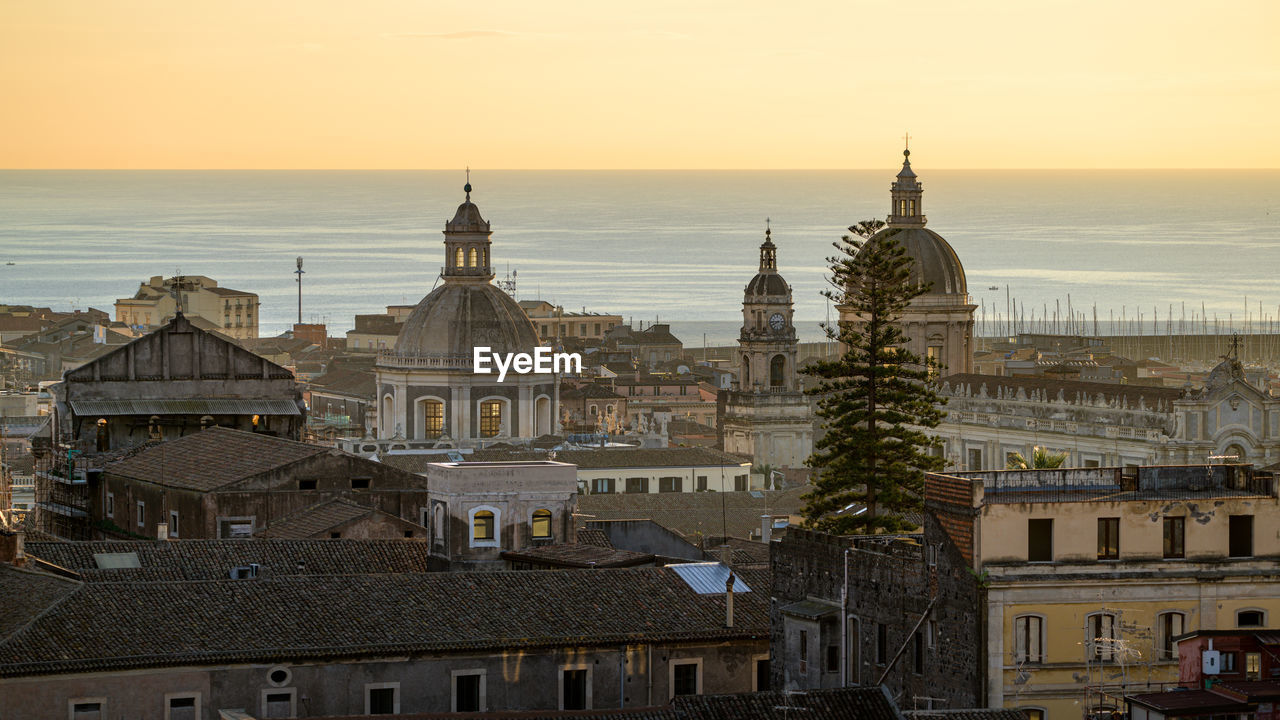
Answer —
778 371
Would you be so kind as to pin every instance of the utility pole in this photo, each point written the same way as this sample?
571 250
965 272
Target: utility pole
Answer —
299 272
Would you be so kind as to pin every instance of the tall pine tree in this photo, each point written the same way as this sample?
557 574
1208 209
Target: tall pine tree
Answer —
875 398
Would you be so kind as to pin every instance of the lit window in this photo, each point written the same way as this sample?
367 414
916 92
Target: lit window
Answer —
482 525
432 418
474 258
541 525
457 258
490 418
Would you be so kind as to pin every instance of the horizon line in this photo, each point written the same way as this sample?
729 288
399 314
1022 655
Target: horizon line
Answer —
598 169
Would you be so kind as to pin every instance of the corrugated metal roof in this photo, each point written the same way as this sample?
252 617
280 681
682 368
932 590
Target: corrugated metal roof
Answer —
201 406
708 578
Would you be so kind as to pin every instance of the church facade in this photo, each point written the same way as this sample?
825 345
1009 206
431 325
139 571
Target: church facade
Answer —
766 415
427 388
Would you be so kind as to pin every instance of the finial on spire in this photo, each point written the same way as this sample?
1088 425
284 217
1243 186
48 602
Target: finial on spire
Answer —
467 187
906 145
767 230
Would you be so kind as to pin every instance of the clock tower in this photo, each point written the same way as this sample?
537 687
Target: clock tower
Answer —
766 415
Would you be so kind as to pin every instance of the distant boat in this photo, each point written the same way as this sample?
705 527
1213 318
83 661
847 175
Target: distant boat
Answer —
994 287
10 263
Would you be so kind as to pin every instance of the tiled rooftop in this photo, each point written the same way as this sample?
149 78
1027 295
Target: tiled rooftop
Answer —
693 514
325 618
212 458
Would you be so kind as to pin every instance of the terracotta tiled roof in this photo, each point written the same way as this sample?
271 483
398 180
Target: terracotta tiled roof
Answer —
694 514
588 536
682 457
323 618
575 555
213 559
24 594
347 381
212 458
310 522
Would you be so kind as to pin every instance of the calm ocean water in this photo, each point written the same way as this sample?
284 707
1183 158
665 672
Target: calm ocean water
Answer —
673 245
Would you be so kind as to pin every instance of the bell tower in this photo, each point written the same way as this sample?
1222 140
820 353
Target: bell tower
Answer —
766 415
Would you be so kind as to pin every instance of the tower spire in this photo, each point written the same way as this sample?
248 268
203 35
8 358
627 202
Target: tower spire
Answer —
768 251
467 188
906 210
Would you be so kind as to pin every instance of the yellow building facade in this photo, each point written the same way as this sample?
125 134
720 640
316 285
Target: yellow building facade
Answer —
1088 574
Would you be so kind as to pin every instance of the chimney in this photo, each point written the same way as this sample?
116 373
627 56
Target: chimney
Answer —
766 528
728 601
162 531
12 547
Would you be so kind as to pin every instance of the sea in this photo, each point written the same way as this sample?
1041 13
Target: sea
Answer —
1128 251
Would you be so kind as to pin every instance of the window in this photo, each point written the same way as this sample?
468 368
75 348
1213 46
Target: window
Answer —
1175 537
1241 536
184 706
1033 713
833 658
638 485
1108 538
575 688
1228 662
1169 625
1253 666
1028 639
740 483
111 505
1040 540
468 691
777 371
686 678
975 459
602 485
541 525
1250 618
382 698
1102 635
173 523
87 708
359 483
917 653
490 418
432 418
670 484
473 258
882 643
804 652
142 514
235 527
760 683
306 484
932 636
482 525
279 703
701 484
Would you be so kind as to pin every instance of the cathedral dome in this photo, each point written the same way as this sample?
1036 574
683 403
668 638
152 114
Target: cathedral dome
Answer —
767 283
936 263
457 317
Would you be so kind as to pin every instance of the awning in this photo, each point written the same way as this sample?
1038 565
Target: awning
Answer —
193 406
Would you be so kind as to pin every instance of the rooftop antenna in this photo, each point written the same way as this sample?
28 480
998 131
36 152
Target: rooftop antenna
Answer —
299 272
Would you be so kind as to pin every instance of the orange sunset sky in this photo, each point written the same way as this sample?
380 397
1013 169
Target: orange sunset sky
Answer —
653 84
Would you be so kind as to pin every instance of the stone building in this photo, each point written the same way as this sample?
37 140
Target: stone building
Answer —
939 323
427 387
169 383
898 611
224 483
1089 575
307 645
766 416
233 312
991 417
553 322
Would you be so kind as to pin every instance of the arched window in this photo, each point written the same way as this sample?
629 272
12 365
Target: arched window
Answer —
746 371
474 258
541 525
1168 626
483 525
430 418
542 415
593 410
1102 636
1251 618
386 416
103 437
777 371
457 258
490 418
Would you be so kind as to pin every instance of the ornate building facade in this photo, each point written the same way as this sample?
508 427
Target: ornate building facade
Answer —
427 387
939 323
766 415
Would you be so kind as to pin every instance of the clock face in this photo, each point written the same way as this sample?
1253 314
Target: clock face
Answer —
776 321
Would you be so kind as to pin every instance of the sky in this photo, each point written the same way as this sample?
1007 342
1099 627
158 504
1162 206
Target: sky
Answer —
653 84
